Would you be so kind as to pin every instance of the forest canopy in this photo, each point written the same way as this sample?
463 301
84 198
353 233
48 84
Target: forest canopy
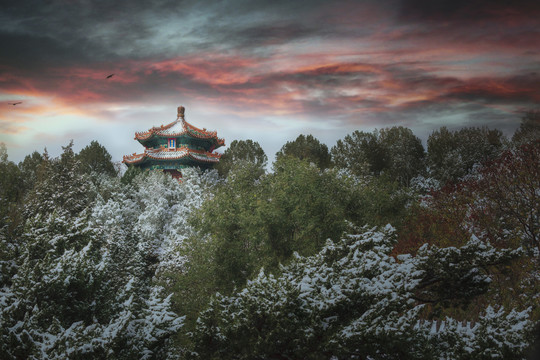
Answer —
376 248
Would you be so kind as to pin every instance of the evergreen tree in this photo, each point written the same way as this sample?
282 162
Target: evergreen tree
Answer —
394 152
354 300
405 154
29 167
240 151
82 288
131 173
360 152
529 128
95 158
11 190
254 222
307 148
452 155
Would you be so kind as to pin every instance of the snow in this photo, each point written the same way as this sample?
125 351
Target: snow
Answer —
363 300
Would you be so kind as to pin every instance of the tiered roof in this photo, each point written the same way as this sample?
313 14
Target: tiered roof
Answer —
155 153
165 154
178 128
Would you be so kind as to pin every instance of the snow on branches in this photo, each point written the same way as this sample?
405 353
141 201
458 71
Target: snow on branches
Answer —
354 300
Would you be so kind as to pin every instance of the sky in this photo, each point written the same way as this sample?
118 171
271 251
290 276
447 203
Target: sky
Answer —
261 70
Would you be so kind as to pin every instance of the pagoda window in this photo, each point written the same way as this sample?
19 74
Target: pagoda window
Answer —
172 143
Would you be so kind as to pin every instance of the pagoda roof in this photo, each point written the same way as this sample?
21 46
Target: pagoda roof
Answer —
165 154
178 128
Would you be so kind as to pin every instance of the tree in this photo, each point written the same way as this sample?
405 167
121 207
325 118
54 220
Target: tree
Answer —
10 180
360 152
395 152
252 222
405 154
95 158
529 129
11 193
131 173
452 155
376 201
307 148
240 151
304 207
354 300
11 190
145 230
29 167
498 204
83 283
60 187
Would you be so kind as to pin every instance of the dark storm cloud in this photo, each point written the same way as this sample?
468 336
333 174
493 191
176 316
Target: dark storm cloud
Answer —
81 31
105 28
37 51
310 57
466 10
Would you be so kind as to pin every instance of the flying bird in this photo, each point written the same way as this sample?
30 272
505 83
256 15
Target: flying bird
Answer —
15 103
110 76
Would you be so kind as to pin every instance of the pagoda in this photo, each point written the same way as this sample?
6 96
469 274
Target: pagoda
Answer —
176 146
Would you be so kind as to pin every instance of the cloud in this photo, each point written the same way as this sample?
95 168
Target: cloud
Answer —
313 63
463 11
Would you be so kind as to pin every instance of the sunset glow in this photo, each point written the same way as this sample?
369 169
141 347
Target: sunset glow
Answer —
263 70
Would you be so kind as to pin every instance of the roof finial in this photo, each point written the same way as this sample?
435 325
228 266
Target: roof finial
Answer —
181 110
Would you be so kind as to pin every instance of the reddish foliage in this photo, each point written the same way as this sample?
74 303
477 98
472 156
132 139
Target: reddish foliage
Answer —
499 204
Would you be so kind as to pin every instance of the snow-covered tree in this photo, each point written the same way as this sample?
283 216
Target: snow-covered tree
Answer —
150 215
353 300
84 282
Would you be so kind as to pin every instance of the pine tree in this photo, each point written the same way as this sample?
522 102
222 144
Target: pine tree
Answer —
354 300
83 286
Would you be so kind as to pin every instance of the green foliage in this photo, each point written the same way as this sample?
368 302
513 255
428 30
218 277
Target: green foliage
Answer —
131 173
86 262
241 151
305 208
94 158
452 155
256 222
233 223
195 285
29 167
529 129
377 201
11 189
405 154
60 187
354 300
395 151
359 152
307 148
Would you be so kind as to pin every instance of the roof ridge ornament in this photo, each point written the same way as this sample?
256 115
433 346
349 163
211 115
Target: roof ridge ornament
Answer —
181 111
